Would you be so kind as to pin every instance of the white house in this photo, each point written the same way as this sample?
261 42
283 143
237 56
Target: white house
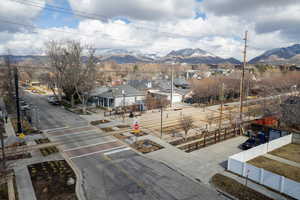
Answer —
118 96
177 98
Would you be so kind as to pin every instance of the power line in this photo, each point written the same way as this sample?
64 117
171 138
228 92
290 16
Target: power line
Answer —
97 17
63 31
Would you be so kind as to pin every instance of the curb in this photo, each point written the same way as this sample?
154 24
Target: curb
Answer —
78 188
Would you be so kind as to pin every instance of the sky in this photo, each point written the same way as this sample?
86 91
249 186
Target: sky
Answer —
150 26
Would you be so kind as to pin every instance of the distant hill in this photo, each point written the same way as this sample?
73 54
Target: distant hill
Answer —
196 56
122 56
17 59
286 55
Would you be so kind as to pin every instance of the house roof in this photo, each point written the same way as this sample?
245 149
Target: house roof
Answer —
139 84
99 90
181 82
116 91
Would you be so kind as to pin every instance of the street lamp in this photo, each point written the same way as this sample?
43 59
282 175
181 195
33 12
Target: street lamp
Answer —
123 93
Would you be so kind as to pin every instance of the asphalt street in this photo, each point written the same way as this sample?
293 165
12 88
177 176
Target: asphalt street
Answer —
128 176
50 116
109 169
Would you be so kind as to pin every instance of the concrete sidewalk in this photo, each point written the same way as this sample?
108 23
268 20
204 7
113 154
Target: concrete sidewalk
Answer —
9 130
256 187
282 160
24 184
199 165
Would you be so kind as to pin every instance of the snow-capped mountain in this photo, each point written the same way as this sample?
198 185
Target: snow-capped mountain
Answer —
190 53
196 56
284 55
122 56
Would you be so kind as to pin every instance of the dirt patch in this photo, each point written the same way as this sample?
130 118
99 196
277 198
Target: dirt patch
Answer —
48 150
289 152
107 129
3 191
139 134
123 126
146 146
276 167
121 136
53 180
236 189
42 141
26 126
98 122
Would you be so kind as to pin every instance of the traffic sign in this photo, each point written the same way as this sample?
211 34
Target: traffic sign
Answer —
22 136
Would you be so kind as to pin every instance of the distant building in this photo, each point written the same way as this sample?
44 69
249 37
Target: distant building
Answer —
117 96
177 98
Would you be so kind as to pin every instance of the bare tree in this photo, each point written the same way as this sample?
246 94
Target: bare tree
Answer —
186 123
8 81
70 73
56 53
86 79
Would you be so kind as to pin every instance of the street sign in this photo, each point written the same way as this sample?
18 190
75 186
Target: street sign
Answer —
22 136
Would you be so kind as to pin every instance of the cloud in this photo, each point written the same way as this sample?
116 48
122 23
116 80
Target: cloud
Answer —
17 12
149 10
163 25
267 15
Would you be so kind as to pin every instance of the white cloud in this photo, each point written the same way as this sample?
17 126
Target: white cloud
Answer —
17 12
150 10
165 25
268 16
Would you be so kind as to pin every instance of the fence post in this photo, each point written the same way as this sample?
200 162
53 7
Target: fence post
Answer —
261 178
228 164
282 179
244 169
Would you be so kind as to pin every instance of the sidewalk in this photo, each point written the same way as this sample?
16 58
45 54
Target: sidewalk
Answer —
24 184
9 130
256 187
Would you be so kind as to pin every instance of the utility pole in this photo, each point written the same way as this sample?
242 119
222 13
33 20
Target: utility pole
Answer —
172 84
123 93
19 127
242 78
2 143
221 108
161 121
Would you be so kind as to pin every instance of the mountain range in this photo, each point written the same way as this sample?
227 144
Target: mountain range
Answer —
286 55
122 56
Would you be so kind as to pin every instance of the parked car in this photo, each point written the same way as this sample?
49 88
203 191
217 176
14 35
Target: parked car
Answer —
24 106
253 142
53 100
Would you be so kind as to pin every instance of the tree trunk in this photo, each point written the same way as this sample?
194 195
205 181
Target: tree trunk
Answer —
72 100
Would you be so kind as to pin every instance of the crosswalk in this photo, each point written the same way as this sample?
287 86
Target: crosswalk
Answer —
85 141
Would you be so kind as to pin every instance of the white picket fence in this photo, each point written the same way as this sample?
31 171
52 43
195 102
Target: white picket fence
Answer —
237 164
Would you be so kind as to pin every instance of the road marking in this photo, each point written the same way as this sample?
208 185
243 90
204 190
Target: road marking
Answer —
117 151
71 149
88 154
66 128
76 133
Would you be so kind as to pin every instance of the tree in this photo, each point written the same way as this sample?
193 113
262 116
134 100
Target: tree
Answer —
186 123
70 74
86 79
290 112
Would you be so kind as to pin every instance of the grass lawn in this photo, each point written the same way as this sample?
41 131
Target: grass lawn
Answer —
236 189
289 152
276 167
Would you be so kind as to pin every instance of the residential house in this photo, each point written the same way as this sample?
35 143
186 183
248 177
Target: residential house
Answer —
117 96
